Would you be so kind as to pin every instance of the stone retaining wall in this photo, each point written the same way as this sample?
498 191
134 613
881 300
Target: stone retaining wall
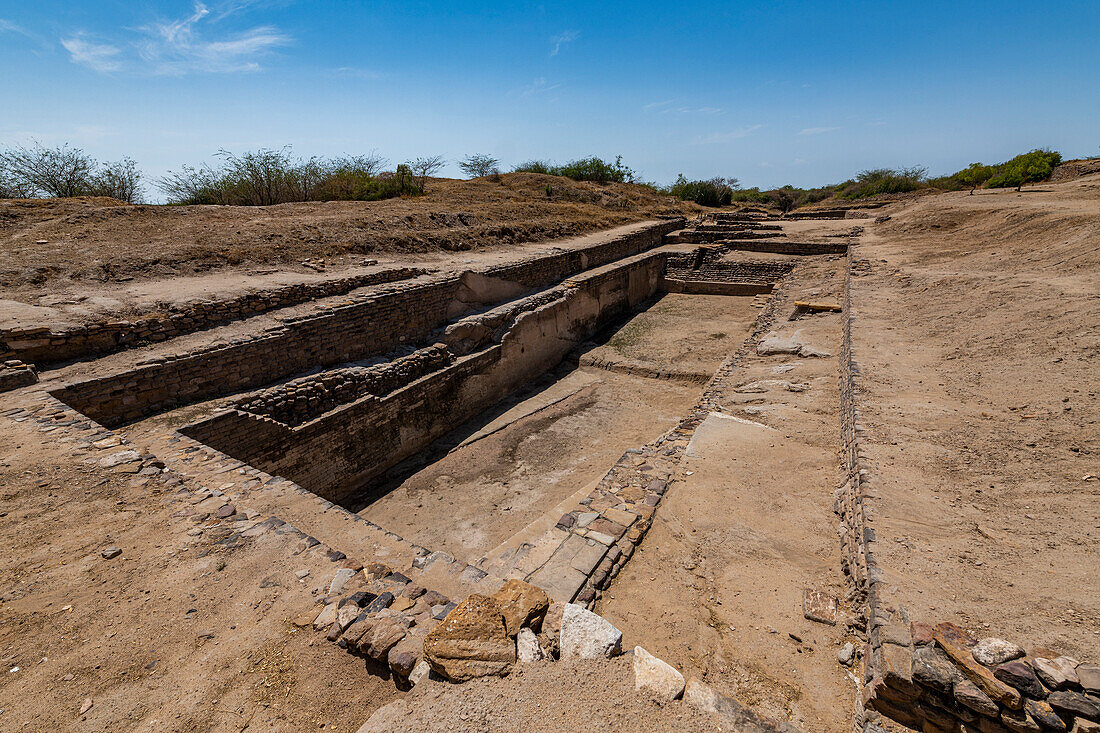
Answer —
44 346
334 454
367 326
939 677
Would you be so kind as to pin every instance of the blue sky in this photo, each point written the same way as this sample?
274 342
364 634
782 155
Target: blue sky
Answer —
768 92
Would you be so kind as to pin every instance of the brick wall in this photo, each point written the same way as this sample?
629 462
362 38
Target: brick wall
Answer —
336 453
376 324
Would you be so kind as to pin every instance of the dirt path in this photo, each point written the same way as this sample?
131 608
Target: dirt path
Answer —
716 586
978 328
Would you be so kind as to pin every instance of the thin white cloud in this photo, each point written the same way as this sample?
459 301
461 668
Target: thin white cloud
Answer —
655 105
179 47
817 130
96 56
562 39
6 26
185 45
538 86
725 137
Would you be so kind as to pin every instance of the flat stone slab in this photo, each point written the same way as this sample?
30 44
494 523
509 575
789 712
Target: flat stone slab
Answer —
819 607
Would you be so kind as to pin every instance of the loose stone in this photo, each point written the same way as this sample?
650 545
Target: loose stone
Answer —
656 676
992 652
1057 673
1075 703
522 605
527 647
1020 676
472 641
846 654
968 694
109 553
586 635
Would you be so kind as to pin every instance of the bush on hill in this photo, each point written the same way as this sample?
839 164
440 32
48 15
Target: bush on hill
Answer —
591 168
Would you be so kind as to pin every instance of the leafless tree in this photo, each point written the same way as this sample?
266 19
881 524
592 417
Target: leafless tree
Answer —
423 168
46 171
479 164
120 180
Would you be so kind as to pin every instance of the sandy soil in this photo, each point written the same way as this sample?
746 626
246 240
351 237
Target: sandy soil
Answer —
978 329
79 245
562 696
180 632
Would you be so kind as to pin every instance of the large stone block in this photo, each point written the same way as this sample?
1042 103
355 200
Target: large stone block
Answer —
522 604
586 635
472 641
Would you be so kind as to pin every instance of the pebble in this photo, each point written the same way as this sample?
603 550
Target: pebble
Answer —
86 705
109 553
992 651
846 653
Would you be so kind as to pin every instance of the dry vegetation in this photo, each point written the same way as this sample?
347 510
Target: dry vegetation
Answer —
104 240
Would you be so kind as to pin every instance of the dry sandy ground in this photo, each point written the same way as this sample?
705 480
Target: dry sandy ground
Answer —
716 586
178 633
978 335
546 696
80 246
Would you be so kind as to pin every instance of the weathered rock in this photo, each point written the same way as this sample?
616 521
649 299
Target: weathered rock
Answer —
86 705
1057 673
896 670
381 601
1089 677
343 575
846 654
1085 726
527 646
382 636
656 676
110 553
773 343
472 641
419 672
550 635
326 618
586 635
968 694
1044 715
1020 676
522 605
1019 721
920 633
992 651
1074 703
933 669
816 606
958 643
739 717
117 459
405 655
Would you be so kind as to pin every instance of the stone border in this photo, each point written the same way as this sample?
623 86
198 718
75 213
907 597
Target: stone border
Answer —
41 345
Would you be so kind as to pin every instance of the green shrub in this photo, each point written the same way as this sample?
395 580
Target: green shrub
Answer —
883 180
712 192
535 166
1030 167
583 169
